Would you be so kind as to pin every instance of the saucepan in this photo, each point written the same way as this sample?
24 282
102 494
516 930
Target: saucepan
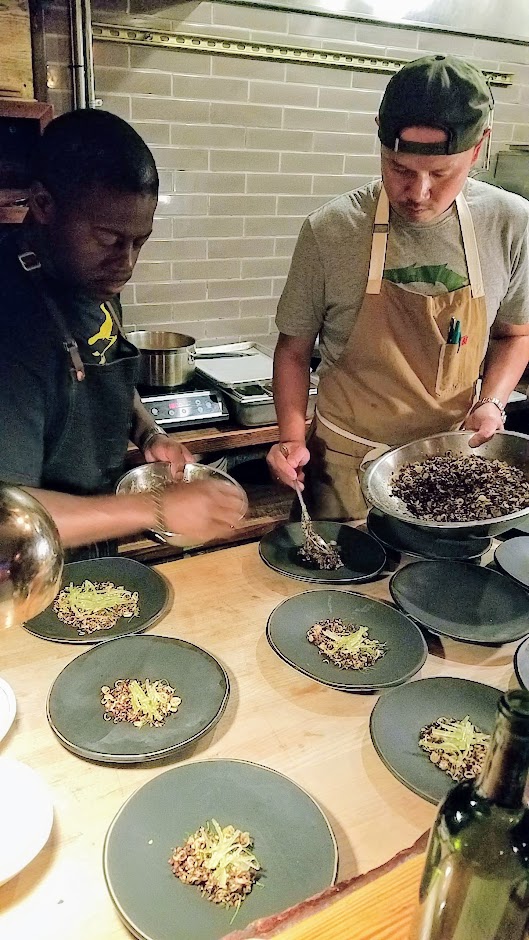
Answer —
156 475
167 359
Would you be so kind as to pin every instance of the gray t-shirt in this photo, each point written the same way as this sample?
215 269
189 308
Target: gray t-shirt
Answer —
328 275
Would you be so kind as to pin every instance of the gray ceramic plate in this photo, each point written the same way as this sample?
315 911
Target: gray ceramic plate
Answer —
399 715
512 557
152 589
293 843
363 557
403 537
521 664
462 601
76 715
287 634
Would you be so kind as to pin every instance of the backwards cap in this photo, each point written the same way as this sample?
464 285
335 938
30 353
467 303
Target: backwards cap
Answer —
436 91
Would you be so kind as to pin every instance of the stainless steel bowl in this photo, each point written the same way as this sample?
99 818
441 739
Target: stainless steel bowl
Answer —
149 476
508 446
167 359
31 557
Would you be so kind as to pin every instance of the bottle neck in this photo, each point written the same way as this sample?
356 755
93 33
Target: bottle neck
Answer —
503 779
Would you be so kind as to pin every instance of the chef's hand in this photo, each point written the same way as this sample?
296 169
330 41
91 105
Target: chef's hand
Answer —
203 509
164 448
485 420
286 461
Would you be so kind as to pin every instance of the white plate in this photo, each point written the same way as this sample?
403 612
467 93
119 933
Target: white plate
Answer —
8 707
26 816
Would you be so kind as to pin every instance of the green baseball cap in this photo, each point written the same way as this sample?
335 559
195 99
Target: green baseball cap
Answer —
436 91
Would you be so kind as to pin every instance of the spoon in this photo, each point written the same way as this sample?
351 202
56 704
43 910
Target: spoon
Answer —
309 533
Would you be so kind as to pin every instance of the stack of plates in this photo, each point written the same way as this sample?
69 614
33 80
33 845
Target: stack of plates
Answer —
462 601
292 841
363 557
399 716
403 537
153 597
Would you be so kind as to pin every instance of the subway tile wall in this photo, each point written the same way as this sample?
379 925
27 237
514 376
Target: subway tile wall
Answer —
246 149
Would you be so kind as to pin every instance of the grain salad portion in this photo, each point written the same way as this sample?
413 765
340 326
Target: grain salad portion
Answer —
95 605
347 645
219 860
455 746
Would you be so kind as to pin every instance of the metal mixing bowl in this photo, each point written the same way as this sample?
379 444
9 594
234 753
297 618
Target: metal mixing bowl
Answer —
31 557
149 476
508 446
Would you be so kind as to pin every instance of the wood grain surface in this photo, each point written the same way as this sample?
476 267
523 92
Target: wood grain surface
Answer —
277 717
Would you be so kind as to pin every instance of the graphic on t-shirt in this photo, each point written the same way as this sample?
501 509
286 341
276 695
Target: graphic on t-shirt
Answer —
104 335
426 274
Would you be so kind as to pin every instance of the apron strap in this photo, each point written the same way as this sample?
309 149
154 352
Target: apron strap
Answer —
470 247
32 266
380 243
348 434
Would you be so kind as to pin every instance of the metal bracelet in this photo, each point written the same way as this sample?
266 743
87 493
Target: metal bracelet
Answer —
493 401
160 522
147 436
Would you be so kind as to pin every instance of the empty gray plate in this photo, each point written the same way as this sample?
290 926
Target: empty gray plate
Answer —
287 634
512 557
363 557
521 664
153 597
74 705
403 537
399 715
463 601
293 843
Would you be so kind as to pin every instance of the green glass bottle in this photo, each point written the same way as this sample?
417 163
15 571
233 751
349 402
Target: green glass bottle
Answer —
475 885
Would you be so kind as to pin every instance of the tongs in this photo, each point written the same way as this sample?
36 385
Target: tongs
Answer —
309 533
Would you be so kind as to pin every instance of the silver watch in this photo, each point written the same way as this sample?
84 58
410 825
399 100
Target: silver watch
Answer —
493 401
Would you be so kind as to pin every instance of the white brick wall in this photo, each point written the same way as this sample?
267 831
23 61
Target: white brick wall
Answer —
247 148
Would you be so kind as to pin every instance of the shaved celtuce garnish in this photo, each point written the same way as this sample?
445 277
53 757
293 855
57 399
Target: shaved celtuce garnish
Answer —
456 747
140 703
346 645
219 861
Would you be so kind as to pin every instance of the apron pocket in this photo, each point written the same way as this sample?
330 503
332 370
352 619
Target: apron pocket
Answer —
454 370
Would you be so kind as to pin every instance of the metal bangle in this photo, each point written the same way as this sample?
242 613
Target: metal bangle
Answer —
160 522
493 401
149 434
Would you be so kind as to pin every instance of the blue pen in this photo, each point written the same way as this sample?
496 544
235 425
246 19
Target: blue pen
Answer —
453 331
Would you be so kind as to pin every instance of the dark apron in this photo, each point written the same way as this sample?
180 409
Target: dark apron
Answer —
88 457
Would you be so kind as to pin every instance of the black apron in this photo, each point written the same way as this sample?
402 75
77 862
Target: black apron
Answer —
88 457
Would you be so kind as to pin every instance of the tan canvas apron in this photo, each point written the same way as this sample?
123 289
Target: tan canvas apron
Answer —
397 379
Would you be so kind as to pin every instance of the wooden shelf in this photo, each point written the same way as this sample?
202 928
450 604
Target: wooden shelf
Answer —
15 148
218 437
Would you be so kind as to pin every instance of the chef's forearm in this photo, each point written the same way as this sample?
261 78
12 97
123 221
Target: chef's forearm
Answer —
506 361
82 520
291 390
143 422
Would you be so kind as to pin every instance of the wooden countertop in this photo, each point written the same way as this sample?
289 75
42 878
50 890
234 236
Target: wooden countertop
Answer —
317 736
